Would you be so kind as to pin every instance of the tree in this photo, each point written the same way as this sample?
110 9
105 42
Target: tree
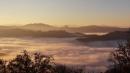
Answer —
43 64
21 64
121 59
26 63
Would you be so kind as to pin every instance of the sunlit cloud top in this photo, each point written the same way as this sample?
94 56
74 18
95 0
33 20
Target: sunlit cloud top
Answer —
65 12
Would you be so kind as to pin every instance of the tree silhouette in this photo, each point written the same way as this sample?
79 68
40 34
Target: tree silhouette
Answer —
43 63
21 64
121 59
26 63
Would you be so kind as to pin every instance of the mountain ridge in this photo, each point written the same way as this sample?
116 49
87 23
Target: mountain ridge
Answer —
80 29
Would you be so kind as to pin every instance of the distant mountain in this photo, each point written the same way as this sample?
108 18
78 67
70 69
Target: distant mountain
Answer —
39 27
116 35
29 33
94 28
82 29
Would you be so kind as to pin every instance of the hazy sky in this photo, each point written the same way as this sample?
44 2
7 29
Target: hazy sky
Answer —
65 12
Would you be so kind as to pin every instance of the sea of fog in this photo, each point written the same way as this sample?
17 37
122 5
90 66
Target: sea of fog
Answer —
68 51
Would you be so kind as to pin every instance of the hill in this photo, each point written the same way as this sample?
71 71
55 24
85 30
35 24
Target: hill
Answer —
117 35
94 28
30 33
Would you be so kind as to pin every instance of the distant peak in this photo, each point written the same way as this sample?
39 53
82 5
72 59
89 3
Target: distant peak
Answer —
38 25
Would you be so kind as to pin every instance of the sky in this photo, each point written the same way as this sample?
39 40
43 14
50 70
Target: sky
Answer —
65 12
